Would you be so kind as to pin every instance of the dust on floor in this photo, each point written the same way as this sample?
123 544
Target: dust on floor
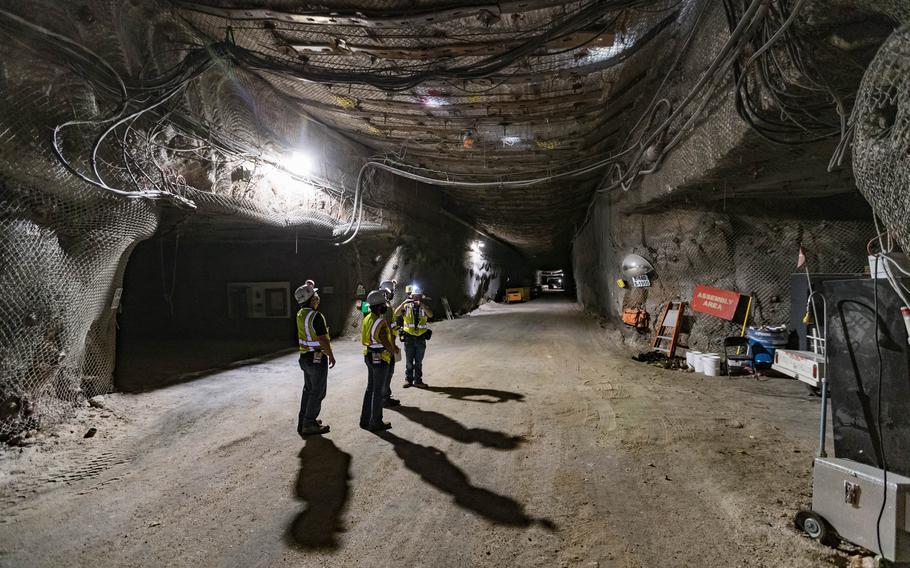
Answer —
539 443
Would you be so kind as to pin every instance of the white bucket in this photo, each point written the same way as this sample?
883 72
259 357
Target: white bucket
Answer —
691 356
711 364
698 362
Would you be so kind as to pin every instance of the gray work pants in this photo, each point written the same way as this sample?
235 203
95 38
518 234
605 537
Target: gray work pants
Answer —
315 377
387 391
414 348
371 412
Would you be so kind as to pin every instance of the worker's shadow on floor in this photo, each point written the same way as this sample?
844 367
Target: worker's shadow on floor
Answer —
447 427
488 396
434 467
323 483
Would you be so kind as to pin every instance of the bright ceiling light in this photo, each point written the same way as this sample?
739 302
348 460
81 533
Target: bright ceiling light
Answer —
299 164
433 101
510 141
287 179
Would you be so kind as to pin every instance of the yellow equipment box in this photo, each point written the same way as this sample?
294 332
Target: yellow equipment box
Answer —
517 295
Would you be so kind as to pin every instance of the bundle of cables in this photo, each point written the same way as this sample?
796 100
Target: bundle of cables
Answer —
139 113
781 91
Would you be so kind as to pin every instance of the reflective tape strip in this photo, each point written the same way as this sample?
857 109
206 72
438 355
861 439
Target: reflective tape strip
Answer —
309 342
306 324
375 342
373 333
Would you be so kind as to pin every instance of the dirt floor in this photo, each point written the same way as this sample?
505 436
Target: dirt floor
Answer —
539 443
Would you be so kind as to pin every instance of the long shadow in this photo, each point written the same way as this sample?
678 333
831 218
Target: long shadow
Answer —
447 427
488 396
434 467
323 483
138 376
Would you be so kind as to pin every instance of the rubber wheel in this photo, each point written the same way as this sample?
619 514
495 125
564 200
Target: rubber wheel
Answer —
814 391
816 527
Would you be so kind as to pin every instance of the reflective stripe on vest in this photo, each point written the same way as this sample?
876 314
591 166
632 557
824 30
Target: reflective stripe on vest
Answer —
369 335
375 344
412 323
307 327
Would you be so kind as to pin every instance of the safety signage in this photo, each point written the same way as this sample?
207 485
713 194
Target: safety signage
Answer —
641 281
715 302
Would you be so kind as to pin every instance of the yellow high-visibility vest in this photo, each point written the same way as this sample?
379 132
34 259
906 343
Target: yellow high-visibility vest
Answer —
306 330
415 320
370 334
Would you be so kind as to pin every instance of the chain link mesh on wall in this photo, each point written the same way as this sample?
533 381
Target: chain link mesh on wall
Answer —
881 150
59 279
64 244
63 247
754 254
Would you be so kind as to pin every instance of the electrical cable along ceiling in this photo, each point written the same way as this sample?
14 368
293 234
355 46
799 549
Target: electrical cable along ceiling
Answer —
519 111
474 98
522 110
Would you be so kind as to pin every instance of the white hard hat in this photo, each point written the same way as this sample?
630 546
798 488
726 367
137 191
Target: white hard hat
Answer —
376 298
305 292
388 285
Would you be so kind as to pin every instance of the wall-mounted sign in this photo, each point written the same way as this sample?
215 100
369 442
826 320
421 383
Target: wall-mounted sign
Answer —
715 302
641 281
255 300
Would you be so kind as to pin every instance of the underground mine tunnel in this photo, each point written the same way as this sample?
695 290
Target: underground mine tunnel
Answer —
454 283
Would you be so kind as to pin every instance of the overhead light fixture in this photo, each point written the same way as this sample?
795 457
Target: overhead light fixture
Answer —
635 265
509 141
433 101
288 176
299 163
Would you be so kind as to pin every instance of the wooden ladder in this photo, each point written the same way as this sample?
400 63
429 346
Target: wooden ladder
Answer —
667 333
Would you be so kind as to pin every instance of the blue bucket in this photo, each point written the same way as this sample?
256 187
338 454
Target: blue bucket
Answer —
765 340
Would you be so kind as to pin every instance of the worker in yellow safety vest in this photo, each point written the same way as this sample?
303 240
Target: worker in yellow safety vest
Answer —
388 288
415 313
378 352
316 358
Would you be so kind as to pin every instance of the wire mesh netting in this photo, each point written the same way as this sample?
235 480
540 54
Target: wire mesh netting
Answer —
881 150
752 253
200 119
60 280
76 194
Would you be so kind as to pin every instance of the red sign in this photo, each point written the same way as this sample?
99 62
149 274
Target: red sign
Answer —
715 302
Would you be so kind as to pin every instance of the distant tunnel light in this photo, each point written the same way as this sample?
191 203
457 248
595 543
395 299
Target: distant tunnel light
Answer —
476 246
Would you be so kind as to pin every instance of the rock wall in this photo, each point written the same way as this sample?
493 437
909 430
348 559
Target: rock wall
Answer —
749 249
